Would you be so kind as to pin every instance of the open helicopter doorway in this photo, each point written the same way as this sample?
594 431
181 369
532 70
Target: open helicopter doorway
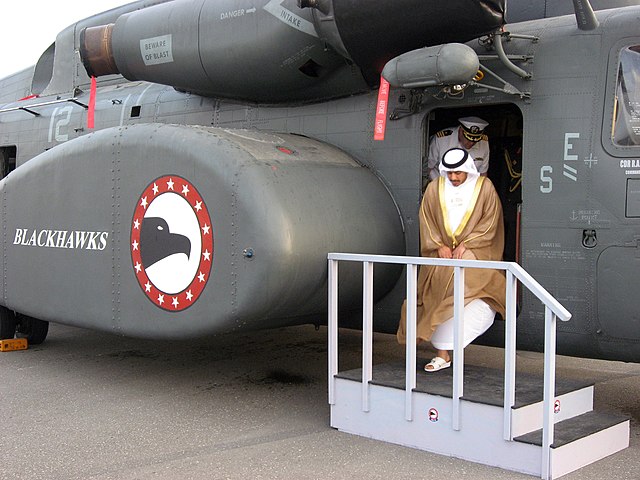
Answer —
7 160
505 159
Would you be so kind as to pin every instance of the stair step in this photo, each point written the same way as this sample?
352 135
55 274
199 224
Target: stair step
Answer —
481 384
575 428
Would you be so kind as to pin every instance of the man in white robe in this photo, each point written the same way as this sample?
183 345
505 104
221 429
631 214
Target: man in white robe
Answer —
461 218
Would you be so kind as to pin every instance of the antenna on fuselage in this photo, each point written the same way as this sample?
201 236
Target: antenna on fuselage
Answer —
584 15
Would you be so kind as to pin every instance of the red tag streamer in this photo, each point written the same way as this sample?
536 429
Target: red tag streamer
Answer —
381 110
92 103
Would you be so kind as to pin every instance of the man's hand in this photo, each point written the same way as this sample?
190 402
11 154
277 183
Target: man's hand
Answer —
459 251
445 252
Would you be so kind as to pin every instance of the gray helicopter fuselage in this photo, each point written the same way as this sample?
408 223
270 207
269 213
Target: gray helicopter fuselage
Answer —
286 172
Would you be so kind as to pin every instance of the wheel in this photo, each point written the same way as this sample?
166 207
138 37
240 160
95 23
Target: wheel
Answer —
34 330
7 323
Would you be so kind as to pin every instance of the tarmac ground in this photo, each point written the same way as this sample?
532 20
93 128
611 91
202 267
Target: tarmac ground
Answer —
89 405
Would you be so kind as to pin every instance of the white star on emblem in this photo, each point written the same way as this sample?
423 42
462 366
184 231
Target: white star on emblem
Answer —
160 299
147 287
170 184
175 302
206 255
189 295
205 229
198 206
155 189
201 277
135 245
144 203
136 224
138 267
185 190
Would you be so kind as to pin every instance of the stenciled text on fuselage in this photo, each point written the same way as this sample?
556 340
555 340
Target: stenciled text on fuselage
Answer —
70 239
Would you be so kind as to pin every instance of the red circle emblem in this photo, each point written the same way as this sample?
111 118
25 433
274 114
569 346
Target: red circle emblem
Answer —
171 243
433 415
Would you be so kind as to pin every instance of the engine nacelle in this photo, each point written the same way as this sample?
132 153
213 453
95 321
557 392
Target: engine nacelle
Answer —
275 51
176 231
216 48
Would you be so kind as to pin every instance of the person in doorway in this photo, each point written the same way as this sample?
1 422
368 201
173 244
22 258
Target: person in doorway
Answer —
460 218
468 135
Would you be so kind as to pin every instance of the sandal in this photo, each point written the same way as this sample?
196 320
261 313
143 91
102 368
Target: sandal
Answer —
436 363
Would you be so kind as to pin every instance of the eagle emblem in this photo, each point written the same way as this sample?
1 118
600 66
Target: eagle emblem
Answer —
171 243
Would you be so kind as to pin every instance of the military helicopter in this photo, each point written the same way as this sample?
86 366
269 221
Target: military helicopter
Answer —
174 169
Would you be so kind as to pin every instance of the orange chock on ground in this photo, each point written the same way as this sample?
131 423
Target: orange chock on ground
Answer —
13 344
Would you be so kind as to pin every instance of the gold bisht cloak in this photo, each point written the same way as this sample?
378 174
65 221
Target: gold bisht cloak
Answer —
482 232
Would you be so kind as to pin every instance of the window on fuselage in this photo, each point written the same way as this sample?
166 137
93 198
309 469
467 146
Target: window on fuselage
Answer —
625 130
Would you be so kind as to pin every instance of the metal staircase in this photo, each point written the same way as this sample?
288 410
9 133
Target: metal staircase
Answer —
526 423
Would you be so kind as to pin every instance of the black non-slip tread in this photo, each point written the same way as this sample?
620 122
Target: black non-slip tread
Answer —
575 428
481 384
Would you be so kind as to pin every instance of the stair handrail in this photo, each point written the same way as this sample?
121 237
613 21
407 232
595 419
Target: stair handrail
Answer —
513 272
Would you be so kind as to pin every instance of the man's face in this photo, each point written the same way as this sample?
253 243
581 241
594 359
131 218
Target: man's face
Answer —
464 142
457 178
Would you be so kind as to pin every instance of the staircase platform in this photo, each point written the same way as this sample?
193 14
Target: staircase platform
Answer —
581 435
481 384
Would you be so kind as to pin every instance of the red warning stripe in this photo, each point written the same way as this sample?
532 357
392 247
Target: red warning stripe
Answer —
92 103
381 110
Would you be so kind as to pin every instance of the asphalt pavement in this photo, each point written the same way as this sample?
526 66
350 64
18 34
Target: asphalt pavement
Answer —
89 405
